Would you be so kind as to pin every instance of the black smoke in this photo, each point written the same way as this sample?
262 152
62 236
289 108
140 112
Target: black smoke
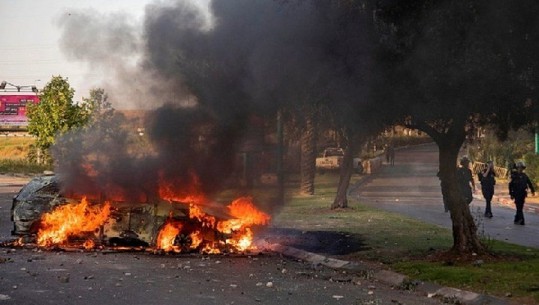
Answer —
251 57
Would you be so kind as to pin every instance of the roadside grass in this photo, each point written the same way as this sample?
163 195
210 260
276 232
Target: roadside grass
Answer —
516 276
15 148
388 237
21 167
412 247
13 153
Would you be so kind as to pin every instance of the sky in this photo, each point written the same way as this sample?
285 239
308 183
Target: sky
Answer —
30 31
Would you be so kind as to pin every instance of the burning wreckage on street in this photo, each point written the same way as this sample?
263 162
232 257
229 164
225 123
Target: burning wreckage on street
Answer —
42 216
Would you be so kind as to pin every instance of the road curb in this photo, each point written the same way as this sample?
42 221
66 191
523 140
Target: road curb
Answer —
389 277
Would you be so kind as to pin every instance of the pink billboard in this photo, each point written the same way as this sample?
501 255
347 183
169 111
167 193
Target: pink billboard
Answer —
13 109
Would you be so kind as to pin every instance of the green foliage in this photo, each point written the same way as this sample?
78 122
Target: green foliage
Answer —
98 108
489 147
22 167
55 114
106 133
519 145
517 276
532 166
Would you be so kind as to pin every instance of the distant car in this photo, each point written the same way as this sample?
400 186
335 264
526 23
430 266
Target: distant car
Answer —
332 159
129 224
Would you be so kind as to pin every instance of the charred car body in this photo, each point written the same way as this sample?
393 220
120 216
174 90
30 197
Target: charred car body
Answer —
39 196
128 224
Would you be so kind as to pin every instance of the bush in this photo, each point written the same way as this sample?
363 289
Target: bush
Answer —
532 166
21 167
518 146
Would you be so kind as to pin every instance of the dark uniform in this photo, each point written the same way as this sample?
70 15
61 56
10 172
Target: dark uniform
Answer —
518 190
488 180
390 154
464 178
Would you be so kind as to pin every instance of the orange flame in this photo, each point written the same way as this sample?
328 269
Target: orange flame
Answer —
71 221
181 191
196 239
196 212
245 215
242 241
201 232
166 239
211 248
244 209
237 231
89 244
167 235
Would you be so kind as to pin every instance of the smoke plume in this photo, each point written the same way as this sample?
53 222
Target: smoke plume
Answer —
251 57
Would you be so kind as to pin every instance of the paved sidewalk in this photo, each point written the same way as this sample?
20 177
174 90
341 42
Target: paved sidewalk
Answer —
411 187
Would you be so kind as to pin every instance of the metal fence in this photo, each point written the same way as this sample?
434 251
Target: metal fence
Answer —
477 167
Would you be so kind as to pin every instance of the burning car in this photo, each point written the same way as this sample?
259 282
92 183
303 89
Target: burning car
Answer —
40 195
43 215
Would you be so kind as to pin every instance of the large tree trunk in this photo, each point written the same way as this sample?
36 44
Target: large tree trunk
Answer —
345 173
465 239
308 154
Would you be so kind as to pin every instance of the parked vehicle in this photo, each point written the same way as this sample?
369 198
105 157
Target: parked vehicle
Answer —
332 159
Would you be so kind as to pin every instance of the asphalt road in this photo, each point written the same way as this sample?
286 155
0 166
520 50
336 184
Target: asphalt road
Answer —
411 187
32 276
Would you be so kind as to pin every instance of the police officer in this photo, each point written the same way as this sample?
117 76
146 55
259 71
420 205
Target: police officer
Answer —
465 180
518 190
488 180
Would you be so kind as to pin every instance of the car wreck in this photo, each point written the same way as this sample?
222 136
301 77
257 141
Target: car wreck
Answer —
41 214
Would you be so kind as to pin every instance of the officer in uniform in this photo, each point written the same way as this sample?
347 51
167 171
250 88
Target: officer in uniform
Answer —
518 190
465 180
488 180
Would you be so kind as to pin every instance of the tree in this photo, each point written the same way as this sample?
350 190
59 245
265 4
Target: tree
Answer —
345 172
101 125
349 100
447 67
308 152
98 108
354 134
86 155
55 114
